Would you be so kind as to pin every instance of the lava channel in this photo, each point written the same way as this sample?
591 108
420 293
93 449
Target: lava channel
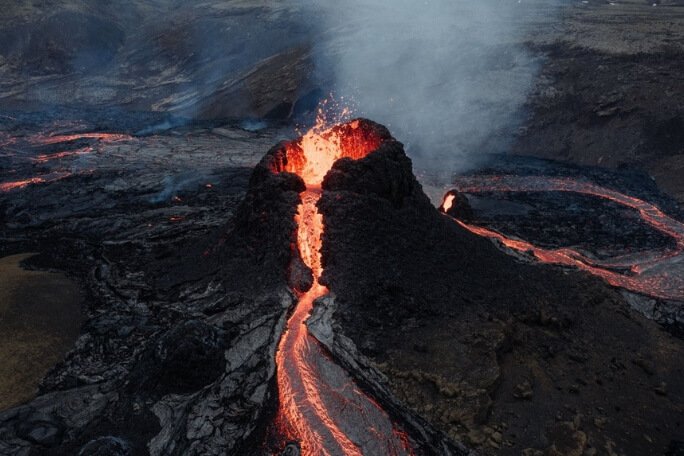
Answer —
320 405
659 275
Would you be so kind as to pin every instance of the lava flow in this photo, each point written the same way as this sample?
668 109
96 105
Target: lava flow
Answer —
26 146
656 275
320 405
7 186
55 139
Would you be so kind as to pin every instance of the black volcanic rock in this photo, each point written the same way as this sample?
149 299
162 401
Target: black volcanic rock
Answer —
184 359
177 355
385 172
675 448
456 325
42 428
106 446
434 323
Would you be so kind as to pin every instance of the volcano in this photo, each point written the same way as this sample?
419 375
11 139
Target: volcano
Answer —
334 310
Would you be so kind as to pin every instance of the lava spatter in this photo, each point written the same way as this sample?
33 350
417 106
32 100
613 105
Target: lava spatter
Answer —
320 405
644 276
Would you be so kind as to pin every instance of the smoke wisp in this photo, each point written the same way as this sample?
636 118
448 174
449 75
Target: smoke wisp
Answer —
448 77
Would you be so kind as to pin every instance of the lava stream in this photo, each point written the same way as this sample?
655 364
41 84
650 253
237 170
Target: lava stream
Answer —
55 139
43 139
657 282
320 405
7 186
650 213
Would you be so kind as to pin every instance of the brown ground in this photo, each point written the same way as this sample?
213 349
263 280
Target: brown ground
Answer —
39 322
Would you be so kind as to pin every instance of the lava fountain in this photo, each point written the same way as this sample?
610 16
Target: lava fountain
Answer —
658 275
320 405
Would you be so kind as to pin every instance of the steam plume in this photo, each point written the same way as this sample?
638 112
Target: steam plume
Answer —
449 77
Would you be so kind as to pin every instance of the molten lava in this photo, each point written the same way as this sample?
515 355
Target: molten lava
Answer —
448 202
25 146
645 276
44 158
316 151
7 186
55 139
319 403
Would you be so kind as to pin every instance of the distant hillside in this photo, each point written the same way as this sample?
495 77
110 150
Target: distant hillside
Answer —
212 58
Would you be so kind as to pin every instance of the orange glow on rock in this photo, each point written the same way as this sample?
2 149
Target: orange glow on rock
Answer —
299 393
448 202
43 158
309 406
312 156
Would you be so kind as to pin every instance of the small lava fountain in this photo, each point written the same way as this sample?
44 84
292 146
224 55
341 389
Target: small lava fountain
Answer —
320 405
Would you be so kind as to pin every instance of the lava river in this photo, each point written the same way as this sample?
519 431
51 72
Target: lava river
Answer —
656 274
320 405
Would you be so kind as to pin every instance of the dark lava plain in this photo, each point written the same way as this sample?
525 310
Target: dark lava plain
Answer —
180 241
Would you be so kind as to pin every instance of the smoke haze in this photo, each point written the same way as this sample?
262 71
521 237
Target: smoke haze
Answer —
448 77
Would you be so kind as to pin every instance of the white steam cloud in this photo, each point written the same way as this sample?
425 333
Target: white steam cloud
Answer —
448 77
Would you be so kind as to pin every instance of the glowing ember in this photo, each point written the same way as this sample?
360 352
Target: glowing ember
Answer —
645 274
319 404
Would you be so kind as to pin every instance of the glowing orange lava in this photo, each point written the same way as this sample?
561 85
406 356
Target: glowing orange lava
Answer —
7 186
448 202
47 139
644 276
317 407
43 158
314 154
54 139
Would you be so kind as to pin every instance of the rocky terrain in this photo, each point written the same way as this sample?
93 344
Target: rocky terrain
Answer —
113 225
610 89
178 270
532 358
210 59
136 149
41 320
